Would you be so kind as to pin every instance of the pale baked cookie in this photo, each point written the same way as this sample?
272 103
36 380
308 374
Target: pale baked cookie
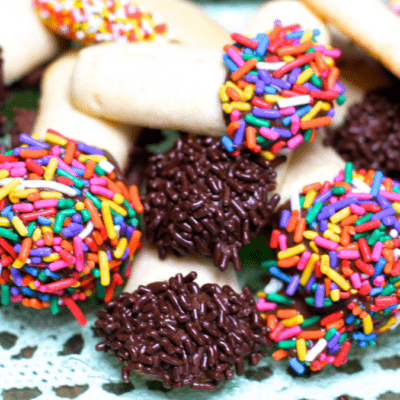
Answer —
56 112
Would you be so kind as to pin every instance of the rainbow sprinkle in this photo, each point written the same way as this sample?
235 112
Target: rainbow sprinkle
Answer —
68 224
90 21
336 281
281 88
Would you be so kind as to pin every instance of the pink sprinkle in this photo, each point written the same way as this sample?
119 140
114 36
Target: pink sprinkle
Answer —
334 53
325 74
76 164
282 242
356 280
18 172
349 254
55 150
294 141
98 181
295 126
57 240
288 110
11 165
356 209
337 88
325 243
57 248
379 281
333 199
360 196
288 333
303 260
16 299
45 203
377 251
60 264
75 296
262 305
63 165
235 56
102 191
322 357
23 207
235 115
128 271
78 251
40 243
393 196
330 359
339 177
268 133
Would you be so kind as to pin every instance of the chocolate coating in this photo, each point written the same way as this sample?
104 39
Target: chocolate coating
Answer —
182 334
202 200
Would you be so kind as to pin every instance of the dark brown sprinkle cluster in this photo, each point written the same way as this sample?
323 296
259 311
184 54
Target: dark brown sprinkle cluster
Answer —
182 334
370 136
202 200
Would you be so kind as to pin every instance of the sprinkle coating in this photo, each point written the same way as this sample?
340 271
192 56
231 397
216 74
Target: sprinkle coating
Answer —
281 88
336 280
91 21
67 227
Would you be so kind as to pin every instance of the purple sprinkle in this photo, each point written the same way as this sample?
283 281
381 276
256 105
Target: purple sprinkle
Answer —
384 213
41 252
16 151
24 138
109 256
239 134
67 233
16 276
85 247
266 113
343 203
125 255
310 282
75 228
14 290
45 160
324 196
334 340
129 231
319 296
17 248
36 260
285 216
325 213
280 83
331 113
251 78
260 85
294 74
334 286
77 218
383 201
292 287
285 133
85 148
323 225
333 259
334 349
310 86
342 88
265 76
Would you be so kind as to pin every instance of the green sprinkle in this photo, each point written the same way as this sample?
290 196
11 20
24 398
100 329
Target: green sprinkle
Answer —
263 142
315 80
386 312
58 223
311 301
5 295
360 235
247 57
371 343
31 228
42 276
101 290
95 272
384 238
279 299
330 334
338 190
364 218
8 153
268 264
307 134
6 233
77 182
85 215
348 172
310 50
374 237
251 119
302 198
310 321
96 202
343 337
314 211
396 189
131 211
54 305
98 170
65 203
393 279
286 344
341 99
388 289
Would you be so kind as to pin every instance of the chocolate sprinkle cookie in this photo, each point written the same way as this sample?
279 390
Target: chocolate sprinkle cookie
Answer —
370 136
182 334
202 200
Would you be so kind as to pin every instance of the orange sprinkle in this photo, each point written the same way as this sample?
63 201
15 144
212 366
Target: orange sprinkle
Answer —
251 137
313 135
92 257
288 262
34 177
279 354
134 241
286 313
232 93
310 335
299 231
233 126
69 153
274 32
345 237
89 169
271 322
293 221
315 69
312 186
97 237
94 214
319 60
388 184
243 70
241 84
337 325
349 220
315 123
388 244
48 238
357 310
67 245
327 282
25 249
27 279
294 50
332 77
112 175
137 204
343 184
24 153
112 185
124 190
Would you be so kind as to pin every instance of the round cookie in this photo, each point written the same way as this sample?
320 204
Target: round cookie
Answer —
334 281
68 224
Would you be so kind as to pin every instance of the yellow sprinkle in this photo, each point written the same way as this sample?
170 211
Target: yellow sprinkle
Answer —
306 36
222 94
331 236
79 206
114 206
19 226
272 98
304 76
4 173
335 228
241 106
353 291
37 234
325 106
4 222
18 264
36 136
32 286
293 321
7 189
396 206
332 274
23 194
329 61
314 247
360 177
335 295
324 263
301 349
107 219
288 59
291 251
313 112
50 195
227 108
88 293
261 295
52 257
118 198
367 324
50 137
104 269
46 229
310 235
340 215
51 169
13 198
268 155
309 269
235 87
119 251
95 157
247 93
391 321
308 200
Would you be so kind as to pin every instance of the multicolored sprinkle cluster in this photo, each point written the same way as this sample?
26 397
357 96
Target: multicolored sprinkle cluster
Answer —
336 281
68 224
281 88
90 21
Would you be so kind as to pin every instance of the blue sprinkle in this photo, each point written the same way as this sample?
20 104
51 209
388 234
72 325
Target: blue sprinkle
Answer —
350 319
362 343
279 274
44 220
297 366
262 46
380 264
376 183
79 171
316 32
376 290
270 90
118 220
248 51
295 35
227 143
51 274
31 270
229 63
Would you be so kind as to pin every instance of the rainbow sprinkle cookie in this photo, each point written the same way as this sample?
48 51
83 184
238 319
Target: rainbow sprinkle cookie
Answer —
281 88
68 224
90 21
336 280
